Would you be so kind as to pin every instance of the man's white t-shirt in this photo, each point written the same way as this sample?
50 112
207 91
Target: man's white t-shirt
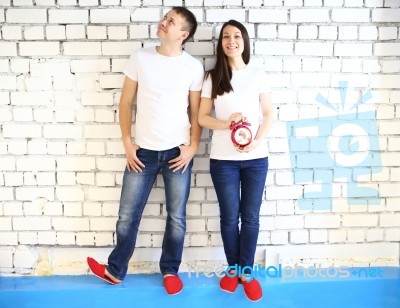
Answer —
162 120
247 84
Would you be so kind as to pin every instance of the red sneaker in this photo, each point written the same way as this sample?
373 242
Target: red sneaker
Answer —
229 284
173 284
252 290
99 270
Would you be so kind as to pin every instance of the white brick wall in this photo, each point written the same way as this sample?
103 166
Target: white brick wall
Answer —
61 159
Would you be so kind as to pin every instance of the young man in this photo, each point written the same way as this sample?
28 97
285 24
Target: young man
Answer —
167 82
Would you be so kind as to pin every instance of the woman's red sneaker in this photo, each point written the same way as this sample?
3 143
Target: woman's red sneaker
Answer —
229 284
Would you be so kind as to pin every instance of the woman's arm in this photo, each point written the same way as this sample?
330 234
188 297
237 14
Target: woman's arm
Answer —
207 121
267 111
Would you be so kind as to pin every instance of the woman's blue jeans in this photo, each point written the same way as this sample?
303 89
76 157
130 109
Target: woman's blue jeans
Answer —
135 192
239 186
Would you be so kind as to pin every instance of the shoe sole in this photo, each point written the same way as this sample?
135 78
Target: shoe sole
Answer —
227 291
253 300
175 293
106 279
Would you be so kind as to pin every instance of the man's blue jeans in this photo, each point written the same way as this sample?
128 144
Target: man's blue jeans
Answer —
135 192
239 186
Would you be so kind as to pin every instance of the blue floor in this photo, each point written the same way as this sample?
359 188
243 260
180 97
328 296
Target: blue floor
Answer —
142 290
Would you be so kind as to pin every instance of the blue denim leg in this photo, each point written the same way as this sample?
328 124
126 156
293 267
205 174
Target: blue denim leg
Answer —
177 186
135 192
239 186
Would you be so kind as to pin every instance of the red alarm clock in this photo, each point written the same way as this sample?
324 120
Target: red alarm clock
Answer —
241 134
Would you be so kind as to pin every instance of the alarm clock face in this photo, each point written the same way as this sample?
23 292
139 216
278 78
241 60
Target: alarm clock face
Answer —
242 136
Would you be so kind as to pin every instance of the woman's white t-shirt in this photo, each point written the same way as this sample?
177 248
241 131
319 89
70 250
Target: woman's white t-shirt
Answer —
162 120
247 84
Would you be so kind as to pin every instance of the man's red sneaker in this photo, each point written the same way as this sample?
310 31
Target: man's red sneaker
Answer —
173 284
229 284
99 270
253 290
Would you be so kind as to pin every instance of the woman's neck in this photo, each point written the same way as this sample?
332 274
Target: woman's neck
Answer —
236 63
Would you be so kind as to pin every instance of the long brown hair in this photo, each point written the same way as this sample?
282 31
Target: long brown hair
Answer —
221 74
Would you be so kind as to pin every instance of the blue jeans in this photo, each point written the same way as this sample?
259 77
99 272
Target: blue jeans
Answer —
239 186
135 192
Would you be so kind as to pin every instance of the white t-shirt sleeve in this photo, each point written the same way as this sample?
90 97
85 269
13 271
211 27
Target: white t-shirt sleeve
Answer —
207 86
264 88
198 77
131 67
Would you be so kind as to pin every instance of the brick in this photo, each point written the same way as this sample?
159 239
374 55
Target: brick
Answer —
111 81
273 16
119 48
103 224
47 238
75 164
279 237
222 15
195 225
21 131
90 66
298 236
152 225
289 222
26 16
337 236
32 193
70 224
49 69
352 50
387 49
385 81
55 33
31 223
146 14
8 49
62 131
38 84
39 48
314 49
385 15
199 48
24 258
35 164
75 32
318 236
8 238
320 221
360 220
309 15
106 239
274 48
82 48
109 16
350 15
104 194
69 194
102 131
66 16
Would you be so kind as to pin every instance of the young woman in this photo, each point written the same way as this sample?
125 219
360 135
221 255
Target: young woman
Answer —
239 93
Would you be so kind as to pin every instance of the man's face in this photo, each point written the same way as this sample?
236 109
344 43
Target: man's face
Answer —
170 27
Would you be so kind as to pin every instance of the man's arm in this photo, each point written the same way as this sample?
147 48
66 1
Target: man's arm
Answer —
125 123
187 152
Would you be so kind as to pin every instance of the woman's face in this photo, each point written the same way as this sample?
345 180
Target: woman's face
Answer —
232 41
